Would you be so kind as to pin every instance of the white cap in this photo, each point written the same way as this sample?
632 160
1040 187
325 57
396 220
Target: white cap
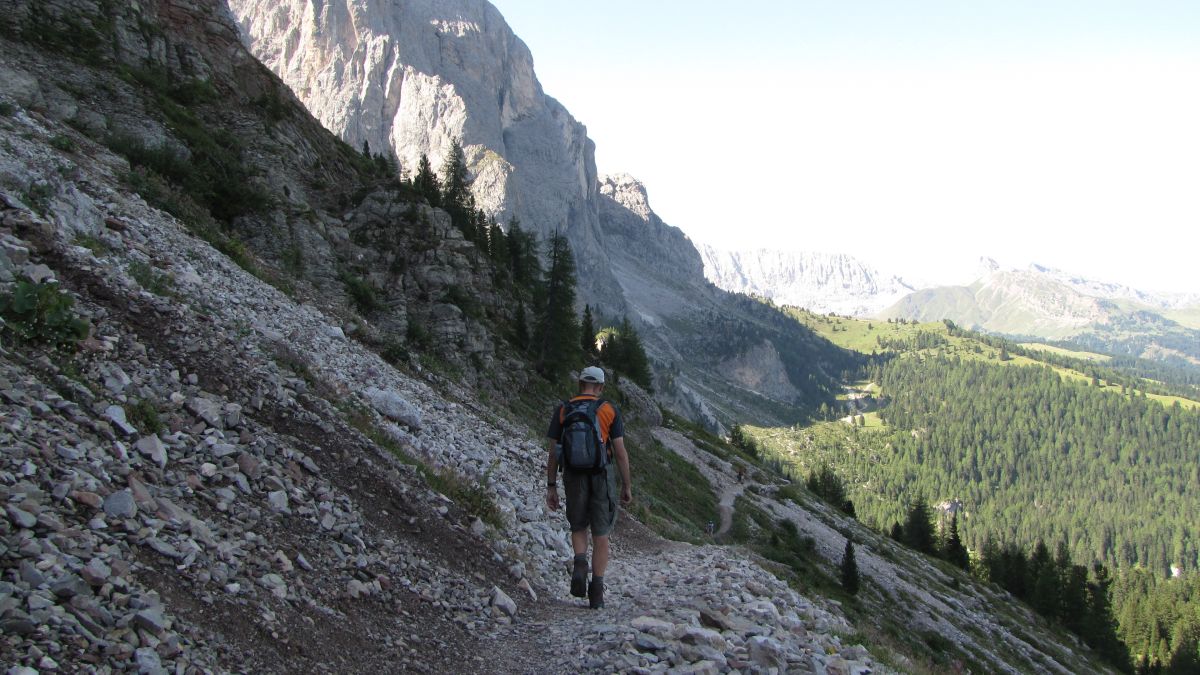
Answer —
592 374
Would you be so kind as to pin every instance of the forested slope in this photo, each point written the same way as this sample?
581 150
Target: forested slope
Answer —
1027 447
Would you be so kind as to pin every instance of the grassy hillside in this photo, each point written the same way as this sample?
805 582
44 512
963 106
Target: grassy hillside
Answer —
1086 356
913 339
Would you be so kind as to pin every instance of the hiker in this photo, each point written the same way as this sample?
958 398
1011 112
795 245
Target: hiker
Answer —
741 473
589 434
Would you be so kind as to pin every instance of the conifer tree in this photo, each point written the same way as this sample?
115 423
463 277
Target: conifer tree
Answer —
557 329
587 333
498 248
426 182
918 527
954 551
523 254
1099 629
636 365
521 328
454 177
850 580
736 437
457 200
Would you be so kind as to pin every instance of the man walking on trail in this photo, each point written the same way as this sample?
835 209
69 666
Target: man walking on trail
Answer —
591 491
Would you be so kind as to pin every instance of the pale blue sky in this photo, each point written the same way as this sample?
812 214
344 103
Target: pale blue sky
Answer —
918 135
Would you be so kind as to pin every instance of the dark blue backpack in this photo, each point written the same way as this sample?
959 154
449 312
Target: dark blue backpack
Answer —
582 449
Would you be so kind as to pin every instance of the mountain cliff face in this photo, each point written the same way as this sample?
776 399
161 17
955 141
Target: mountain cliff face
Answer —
819 282
411 78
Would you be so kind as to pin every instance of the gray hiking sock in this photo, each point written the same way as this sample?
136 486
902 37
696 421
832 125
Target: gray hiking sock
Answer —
581 557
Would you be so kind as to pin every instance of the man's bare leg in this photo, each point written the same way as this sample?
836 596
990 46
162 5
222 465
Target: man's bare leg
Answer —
599 555
579 541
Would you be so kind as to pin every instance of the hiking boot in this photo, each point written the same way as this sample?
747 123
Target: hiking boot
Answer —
596 594
579 578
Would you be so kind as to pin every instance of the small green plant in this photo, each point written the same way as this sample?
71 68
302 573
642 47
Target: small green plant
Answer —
417 335
7 109
91 243
472 496
144 416
151 279
293 259
394 353
64 143
42 313
361 292
459 297
37 197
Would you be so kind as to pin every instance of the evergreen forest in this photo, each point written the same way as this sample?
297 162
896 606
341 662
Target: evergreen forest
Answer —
980 443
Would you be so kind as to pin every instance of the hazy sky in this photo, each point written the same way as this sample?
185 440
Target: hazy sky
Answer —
916 135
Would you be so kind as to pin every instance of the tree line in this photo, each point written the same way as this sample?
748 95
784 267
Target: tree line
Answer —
540 275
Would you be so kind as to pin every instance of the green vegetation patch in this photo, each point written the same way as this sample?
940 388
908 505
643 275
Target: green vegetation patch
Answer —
42 313
672 496
151 279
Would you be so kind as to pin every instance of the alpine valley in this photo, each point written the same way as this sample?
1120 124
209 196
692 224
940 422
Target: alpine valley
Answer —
288 289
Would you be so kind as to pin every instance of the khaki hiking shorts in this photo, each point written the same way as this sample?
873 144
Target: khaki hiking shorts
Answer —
592 500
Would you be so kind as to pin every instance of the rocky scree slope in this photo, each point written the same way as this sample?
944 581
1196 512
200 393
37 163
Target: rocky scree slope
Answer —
222 480
414 76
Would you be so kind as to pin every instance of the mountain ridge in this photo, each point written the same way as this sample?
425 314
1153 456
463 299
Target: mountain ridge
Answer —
821 282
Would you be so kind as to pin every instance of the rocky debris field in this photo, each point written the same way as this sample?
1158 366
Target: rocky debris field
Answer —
220 480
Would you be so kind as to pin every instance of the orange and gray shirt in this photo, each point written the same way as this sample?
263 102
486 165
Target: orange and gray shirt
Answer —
607 417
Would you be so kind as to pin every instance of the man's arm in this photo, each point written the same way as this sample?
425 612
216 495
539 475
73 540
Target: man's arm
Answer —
623 464
552 474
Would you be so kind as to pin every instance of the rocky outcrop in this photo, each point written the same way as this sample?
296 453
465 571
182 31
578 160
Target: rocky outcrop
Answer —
635 233
760 369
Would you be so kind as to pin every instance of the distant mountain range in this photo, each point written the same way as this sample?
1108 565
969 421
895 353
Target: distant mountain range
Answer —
1036 302
1041 302
820 282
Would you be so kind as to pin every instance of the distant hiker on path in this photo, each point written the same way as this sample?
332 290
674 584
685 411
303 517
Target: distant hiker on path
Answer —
586 434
